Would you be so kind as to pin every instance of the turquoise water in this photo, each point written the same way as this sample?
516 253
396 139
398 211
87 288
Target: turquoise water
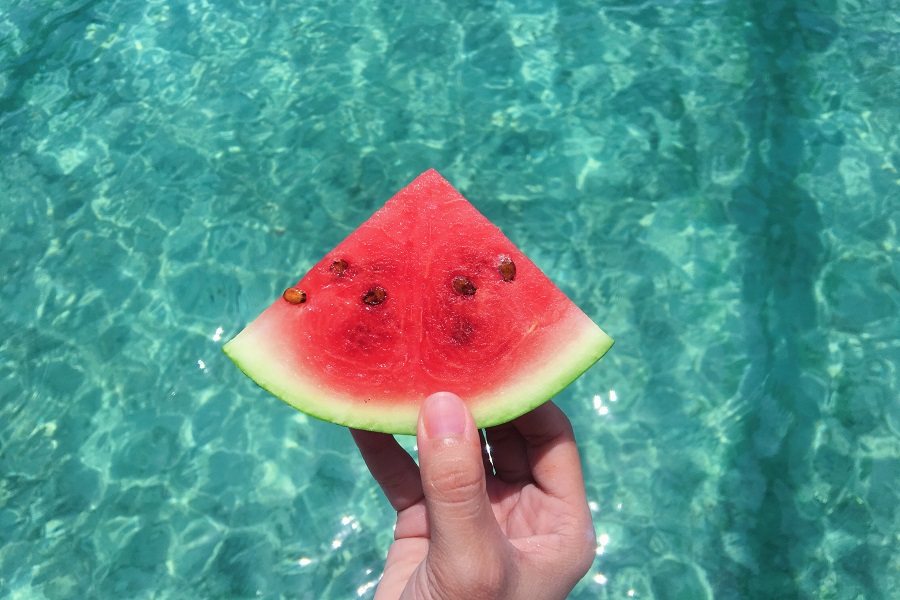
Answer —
715 183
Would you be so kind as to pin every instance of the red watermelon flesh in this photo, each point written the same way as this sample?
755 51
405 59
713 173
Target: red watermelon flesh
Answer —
425 296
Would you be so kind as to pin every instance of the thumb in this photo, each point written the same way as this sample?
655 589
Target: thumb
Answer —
460 517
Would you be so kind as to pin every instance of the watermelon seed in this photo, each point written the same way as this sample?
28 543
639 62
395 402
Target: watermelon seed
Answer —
464 286
375 296
294 296
507 269
339 266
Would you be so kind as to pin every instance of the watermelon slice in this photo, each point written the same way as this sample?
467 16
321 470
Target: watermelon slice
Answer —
425 296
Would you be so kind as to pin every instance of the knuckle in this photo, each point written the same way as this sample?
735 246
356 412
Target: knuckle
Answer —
561 434
587 554
455 482
589 540
582 547
573 554
580 553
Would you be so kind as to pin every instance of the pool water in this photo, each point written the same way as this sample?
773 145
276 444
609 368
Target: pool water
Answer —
715 183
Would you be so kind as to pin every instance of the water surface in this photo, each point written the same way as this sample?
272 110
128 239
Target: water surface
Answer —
715 183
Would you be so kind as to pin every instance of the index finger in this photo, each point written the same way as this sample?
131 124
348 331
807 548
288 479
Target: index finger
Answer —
394 470
552 453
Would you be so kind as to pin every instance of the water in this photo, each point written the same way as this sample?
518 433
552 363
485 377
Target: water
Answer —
715 183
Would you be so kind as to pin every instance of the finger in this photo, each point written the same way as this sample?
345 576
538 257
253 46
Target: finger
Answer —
453 479
552 454
403 559
394 470
508 453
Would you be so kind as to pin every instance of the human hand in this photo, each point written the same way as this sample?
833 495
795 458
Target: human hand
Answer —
467 530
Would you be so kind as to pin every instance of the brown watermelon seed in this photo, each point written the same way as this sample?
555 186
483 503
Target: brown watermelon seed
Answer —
294 296
464 286
375 296
339 266
507 269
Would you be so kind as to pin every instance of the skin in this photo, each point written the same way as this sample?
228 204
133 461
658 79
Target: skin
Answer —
468 530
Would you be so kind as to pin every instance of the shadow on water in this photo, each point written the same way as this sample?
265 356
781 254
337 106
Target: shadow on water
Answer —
783 256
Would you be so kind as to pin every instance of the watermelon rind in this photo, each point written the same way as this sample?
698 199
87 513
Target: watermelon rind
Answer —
258 352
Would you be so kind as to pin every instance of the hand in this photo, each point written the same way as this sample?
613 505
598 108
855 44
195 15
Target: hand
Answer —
469 531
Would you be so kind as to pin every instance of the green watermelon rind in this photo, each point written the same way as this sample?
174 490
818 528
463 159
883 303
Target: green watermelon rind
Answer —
259 352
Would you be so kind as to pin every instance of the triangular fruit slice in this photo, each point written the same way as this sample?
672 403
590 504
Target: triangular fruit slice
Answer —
426 296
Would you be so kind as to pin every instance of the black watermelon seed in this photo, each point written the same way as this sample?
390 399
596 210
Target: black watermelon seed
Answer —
507 269
339 266
375 296
464 286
